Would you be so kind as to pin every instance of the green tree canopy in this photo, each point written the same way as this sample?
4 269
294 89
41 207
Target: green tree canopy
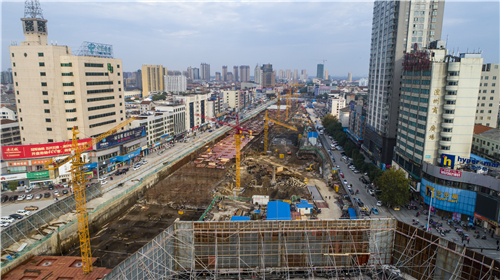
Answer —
394 187
13 185
159 97
329 119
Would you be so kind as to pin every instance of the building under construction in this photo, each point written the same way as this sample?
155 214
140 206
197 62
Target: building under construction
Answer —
372 248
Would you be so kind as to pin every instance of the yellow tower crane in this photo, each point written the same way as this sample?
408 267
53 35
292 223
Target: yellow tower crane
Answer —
78 182
279 108
266 128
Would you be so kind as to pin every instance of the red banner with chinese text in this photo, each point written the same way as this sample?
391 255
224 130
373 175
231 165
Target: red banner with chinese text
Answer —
40 150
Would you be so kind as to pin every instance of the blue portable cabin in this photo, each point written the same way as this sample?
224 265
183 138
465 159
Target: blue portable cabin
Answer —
352 213
278 211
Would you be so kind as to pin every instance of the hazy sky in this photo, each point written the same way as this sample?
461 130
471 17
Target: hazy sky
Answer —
288 34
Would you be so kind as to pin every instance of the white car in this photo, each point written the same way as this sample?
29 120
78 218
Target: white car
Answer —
4 224
27 190
56 193
23 212
379 203
345 182
29 197
21 197
103 178
104 182
7 219
38 196
137 167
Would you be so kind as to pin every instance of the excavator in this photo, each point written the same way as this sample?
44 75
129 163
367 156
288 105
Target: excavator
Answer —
311 167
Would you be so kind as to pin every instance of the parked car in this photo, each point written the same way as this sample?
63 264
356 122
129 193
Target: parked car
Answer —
65 185
7 219
104 182
31 208
46 195
345 182
21 197
29 197
38 196
396 208
374 211
65 191
23 212
28 190
137 167
13 198
371 192
355 171
51 187
103 178
4 224
56 193
5 198
16 216
363 180
341 175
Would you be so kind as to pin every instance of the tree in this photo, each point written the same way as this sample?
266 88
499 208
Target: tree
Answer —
374 174
159 97
394 186
329 119
13 185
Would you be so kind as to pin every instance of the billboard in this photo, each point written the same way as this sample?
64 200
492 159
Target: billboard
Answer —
121 137
41 150
449 199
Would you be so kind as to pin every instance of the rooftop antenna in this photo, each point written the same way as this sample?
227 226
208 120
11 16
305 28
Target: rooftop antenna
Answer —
32 9
446 44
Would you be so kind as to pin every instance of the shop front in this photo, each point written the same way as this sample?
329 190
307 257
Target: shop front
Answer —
19 178
452 203
39 178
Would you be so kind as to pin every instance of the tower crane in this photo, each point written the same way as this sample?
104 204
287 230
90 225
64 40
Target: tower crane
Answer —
78 182
266 128
237 143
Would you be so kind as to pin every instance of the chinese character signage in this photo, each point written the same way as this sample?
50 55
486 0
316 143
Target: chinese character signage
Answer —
449 199
40 150
449 172
121 137
38 175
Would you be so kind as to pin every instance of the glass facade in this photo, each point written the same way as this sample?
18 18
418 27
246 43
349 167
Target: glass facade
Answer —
449 199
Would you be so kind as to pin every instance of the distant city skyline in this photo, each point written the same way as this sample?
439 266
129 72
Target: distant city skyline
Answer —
180 35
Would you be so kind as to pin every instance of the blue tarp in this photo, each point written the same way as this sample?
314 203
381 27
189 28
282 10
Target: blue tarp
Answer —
278 211
240 218
307 205
303 201
352 213
478 158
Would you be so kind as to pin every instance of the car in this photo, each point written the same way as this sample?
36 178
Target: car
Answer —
13 198
104 182
7 219
345 182
5 198
374 211
29 197
46 195
341 175
355 171
51 187
38 196
56 193
4 224
16 216
65 185
65 191
396 208
23 212
144 161
137 167
103 178
28 190
379 203
371 192
363 180
351 191
338 166
31 208
21 197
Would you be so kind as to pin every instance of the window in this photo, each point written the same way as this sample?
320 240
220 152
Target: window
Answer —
43 74
71 110
482 104
101 107
489 111
117 65
494 77
66 64
492 91
100 83
69 93
449 111
12 54
118 73
49 128
45 102
486 77
445 138
491 105
484 91
421 126
68 84
47 120
100 90
44 84
493 84
47 111
100 99
67 74
45 93
491 98
447 129
484 97
102 123
41 64
450 102
445 147
485 84
71 120
423 109
424 100
40 54
448 120
102 115
50 140
94 74
70 101
94 65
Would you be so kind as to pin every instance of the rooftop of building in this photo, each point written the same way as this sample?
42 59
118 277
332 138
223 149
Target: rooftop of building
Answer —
479 128
345 109
54 267
493 134
146 102
7 121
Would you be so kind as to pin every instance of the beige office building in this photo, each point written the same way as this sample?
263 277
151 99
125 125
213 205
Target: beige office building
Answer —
56 91
152 78
489 96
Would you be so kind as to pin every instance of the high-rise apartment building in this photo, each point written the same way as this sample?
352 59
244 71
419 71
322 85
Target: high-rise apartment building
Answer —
295 74
437 108
176 83
152 78
224 73
303 74
235 74
281 74
258 74
288 74
489 96
230 76
320 70
205 71
327 77
398 27
349 77
196 73
268 77
217 76
7 76
244 73
57 91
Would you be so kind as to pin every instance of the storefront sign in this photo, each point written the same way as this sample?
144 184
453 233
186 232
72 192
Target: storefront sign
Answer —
41 150
449 161
129 156
449 199
476 215
19 163
38 175
39 161
12 177
449 172
157 144
121 137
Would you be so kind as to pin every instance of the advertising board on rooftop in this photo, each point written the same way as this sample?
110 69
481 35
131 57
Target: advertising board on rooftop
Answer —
40 150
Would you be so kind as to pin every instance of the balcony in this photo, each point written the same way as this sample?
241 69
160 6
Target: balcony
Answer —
445 143
449 106
454 66
452 88
443 151
448 116
450 97
447 125
446 134
452 78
